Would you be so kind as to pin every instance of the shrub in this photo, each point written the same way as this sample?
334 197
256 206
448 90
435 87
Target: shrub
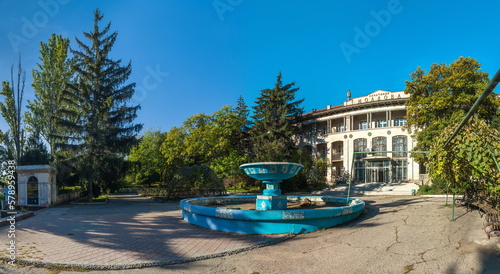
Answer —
194 181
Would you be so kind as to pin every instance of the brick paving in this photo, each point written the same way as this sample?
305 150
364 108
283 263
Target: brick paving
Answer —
130 231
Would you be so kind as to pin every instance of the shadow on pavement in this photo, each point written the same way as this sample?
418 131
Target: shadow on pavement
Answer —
130 231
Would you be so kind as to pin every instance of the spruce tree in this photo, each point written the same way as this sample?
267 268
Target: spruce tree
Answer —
240 139
100 128
274 115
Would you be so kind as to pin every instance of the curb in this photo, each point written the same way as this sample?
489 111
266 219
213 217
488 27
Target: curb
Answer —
93 203
24 262
442 196
18 217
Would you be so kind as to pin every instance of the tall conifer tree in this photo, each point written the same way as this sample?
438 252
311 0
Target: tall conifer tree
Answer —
273 117
102 124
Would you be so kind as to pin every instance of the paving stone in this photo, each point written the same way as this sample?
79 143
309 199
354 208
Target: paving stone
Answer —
120 232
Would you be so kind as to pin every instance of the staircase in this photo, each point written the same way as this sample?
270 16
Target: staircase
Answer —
372 189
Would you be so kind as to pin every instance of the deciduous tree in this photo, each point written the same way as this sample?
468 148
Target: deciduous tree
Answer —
442 96
149 164
469 165
11 110
49 82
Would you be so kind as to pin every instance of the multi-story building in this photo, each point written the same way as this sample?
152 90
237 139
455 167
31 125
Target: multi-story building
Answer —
370 123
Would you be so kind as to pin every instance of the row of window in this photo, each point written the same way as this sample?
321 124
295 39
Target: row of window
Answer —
399 143
398 122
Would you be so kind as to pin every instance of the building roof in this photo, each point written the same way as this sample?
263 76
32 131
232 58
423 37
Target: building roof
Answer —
374 99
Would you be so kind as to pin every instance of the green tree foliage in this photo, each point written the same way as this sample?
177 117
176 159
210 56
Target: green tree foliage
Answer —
241 139
209 140
312 177
149 164
195 180
496 120
469 164
99 124
273 118
442 96
11 110
49 83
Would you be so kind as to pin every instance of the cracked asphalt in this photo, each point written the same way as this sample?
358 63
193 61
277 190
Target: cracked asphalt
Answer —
396 234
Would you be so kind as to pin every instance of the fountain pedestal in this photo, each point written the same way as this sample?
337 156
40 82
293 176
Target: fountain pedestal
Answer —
271 198
271 174
270 202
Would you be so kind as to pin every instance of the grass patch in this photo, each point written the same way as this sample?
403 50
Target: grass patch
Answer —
408 268
100 199
255 189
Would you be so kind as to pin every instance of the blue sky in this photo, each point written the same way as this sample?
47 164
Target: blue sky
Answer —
196 56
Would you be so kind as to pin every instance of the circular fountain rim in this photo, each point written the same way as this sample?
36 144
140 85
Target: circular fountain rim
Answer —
269 163
269 215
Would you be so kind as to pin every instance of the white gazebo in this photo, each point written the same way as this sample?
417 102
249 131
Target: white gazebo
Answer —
36 185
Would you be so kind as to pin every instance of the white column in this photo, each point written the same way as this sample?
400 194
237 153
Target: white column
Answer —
390 122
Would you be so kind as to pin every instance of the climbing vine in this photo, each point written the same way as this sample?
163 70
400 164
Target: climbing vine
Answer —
469 164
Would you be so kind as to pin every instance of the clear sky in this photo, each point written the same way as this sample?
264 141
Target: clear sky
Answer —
196 56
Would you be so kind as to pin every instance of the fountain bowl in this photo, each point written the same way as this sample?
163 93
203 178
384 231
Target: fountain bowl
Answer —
270 213
266 171
202 212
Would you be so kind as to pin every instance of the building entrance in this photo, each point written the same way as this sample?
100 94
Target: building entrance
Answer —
378 171
32 191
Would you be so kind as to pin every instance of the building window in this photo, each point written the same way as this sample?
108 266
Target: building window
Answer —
341 128
341 150
360 145
359 171
379 144
399 122
381 123
399 143
363 125
400 170
323 153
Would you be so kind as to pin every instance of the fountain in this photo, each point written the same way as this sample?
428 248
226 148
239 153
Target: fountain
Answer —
270 213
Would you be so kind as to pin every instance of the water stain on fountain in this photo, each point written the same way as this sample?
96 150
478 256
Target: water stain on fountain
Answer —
271 212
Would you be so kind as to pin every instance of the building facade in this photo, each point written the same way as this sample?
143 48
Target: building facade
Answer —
370 123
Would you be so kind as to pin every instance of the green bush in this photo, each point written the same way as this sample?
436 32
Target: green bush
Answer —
426 190
69 189
193 181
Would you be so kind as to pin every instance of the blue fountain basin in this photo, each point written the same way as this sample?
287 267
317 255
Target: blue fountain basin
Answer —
196 211
266 171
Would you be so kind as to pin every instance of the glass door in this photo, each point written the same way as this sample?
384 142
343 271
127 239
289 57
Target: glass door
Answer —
33 191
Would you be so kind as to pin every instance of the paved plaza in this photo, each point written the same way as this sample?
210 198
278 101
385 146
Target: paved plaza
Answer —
396 234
